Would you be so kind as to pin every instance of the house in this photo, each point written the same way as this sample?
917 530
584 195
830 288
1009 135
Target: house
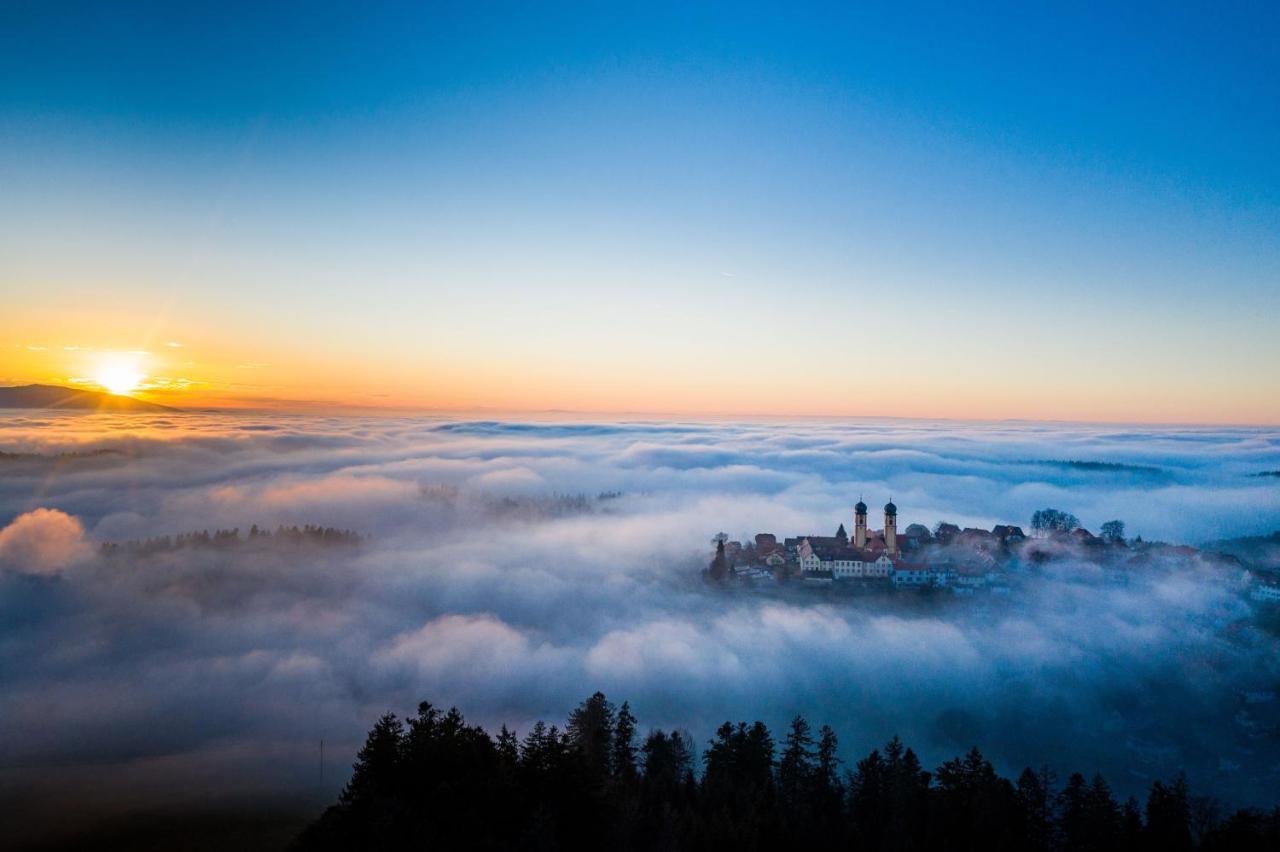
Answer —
880 567
976 540
794 545
945 532
1265 593
971 577
943 575
863 564
819 556
1008 533
911 574
1082 536
808 557
766 544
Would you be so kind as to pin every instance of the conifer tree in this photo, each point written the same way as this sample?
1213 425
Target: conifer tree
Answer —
796 768
720 564
624 745
590 731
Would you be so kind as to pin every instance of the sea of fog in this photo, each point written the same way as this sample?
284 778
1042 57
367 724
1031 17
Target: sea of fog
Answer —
513 567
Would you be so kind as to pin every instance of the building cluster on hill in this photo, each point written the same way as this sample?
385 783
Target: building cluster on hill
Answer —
962 561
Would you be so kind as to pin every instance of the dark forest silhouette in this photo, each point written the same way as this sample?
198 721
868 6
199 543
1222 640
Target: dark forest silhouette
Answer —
435 782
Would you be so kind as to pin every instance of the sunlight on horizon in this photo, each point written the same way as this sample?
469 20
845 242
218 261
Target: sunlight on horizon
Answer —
118 377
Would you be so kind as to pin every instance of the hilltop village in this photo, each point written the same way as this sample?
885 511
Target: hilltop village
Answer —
951 559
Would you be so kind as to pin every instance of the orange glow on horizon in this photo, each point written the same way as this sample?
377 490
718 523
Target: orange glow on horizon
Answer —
211 364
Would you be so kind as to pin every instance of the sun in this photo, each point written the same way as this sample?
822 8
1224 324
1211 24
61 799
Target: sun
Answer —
119 379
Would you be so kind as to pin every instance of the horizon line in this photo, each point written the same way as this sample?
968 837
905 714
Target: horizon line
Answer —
309 406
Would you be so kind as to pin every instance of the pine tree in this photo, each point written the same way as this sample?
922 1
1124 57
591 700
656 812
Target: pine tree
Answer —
868 798
720 564
797 767
508 747
376 769
1102 815
1035 801
828 761
1169 816
1071 810
590 731
1131 824
624 745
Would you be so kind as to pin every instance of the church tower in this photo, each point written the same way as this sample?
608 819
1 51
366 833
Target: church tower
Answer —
891 528
860 525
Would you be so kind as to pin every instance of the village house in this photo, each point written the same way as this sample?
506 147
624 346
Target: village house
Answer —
1264 593
1008 534
911 574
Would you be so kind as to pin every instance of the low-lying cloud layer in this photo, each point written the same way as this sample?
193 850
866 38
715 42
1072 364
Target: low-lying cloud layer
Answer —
514 567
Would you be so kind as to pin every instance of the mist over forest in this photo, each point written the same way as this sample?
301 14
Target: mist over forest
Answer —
513 567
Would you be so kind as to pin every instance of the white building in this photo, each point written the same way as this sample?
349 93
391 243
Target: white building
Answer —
881 567
943 575
856 569
1266 594
844 563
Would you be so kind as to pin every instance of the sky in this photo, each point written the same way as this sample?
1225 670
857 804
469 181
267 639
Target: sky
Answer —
512 567
1064 212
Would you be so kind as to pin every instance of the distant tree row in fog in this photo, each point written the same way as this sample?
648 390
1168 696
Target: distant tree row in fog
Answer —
435 782
220 538
72 455
525 507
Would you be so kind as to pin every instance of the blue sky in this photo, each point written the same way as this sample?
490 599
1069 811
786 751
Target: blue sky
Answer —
465 199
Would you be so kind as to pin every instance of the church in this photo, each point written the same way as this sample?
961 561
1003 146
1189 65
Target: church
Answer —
871 553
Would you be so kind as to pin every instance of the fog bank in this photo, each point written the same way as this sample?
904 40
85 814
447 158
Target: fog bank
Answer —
514 567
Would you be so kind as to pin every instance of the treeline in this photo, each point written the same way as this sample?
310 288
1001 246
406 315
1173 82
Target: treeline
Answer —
524 508
307 534
53 458
435 782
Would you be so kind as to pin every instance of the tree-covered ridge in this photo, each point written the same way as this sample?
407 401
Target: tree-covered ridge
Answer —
1100 467
74 455
436 782
525 507
223 538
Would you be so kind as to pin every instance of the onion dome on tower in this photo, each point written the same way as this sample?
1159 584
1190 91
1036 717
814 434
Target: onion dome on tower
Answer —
891 528
860 524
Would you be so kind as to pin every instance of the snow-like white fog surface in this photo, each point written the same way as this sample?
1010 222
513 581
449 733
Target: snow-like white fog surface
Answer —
488 583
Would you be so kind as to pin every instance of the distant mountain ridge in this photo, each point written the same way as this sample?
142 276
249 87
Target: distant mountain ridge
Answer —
54 396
